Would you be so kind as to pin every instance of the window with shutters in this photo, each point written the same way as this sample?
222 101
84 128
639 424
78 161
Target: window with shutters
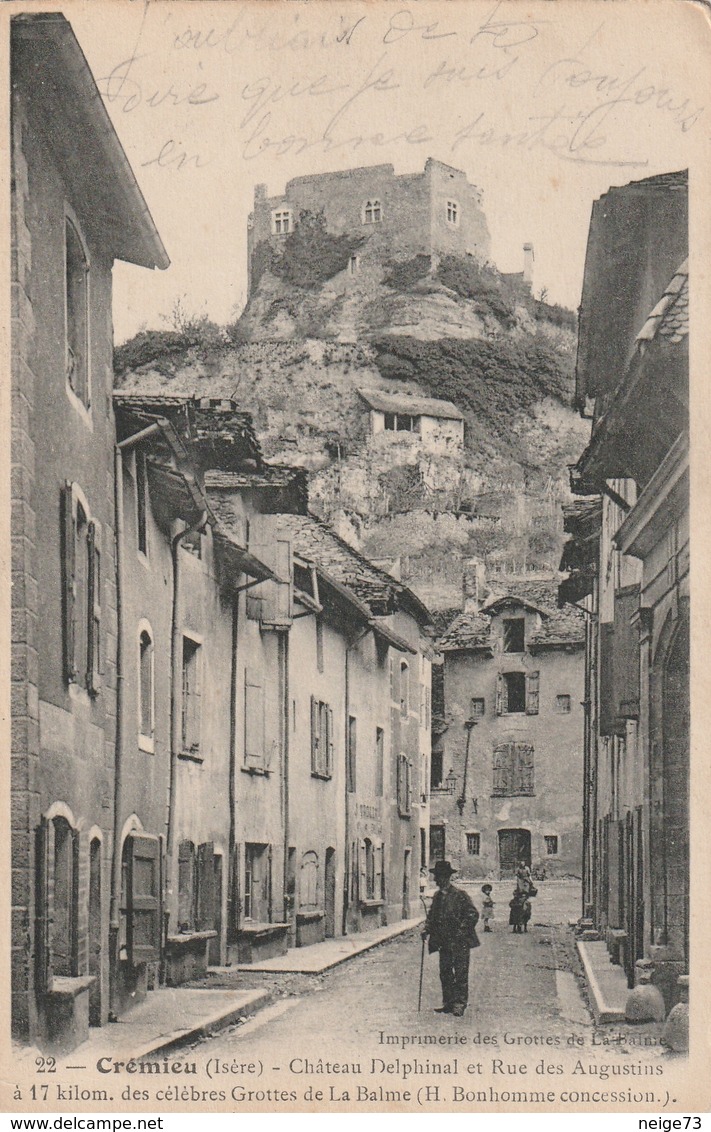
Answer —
308 882
513 769
322 739
404 786
258 883
191 696
140 934
146 692
255 755
379 760
81 591
351 763
76 295
517 692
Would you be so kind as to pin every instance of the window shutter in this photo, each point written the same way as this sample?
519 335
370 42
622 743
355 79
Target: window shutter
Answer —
268 887
233 899
186 884
93 649
362 870
43 921
409 785
382 888
283 587
329 763
206 886
532 682
253 719
500 694
144 899
314 735
68 547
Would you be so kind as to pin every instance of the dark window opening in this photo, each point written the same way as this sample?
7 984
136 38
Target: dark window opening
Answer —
145 680
379 760
514 634
477 707
191 696
514 692
473 844
551 845
77 308
436 769
351 762
562 704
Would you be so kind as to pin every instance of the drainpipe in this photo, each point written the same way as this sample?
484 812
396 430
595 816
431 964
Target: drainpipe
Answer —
232 785
284 665
115 898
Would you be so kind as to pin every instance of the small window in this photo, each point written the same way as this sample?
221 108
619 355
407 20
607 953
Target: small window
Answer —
452 212
473 844
436 769
145 690
404 786
77 313
437 843
372 212
369 869
354 264
390 422
308 882
562 705
551 841
191 696
281 222
514 635
352 751
141 502
405 422
477 707
379 760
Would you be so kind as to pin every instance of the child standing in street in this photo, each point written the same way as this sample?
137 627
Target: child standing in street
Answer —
487 908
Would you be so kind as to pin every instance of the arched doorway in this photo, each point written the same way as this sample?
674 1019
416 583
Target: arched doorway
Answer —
514 846
675 793
329 893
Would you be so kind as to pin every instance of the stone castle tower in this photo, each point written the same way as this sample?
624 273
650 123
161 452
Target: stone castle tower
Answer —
436 212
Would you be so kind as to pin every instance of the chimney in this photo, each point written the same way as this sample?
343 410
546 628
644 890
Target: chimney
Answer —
473 582
528 264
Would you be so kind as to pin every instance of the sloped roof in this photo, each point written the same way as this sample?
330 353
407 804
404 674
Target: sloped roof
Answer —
414 406
316 542
559 627
670 317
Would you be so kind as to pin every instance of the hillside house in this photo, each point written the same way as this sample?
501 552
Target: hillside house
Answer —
433 425
506 782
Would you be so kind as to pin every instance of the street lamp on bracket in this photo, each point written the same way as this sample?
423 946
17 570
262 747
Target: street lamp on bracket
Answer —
469 725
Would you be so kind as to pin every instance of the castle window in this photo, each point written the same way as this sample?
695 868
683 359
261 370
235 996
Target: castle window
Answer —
372 212
281 221
452 212
473 844
354 264
551 845
477 707
562 705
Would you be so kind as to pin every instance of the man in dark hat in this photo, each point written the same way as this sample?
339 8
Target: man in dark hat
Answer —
451 929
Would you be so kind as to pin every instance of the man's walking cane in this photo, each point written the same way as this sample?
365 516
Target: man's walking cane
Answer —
422 960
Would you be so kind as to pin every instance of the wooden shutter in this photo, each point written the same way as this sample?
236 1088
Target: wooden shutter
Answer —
532 684
362 871
206 903
43 907
329 759
283 586
144 899
192 662
500 694
314 735
68 551
233 896
186 884
93 647
269 887
253 719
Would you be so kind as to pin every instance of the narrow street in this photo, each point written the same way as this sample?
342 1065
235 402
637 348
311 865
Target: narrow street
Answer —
525 998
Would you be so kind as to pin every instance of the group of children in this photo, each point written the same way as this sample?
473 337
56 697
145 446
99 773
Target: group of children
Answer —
520 906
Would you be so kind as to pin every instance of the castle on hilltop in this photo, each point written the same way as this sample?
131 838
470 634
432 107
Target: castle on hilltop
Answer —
436 212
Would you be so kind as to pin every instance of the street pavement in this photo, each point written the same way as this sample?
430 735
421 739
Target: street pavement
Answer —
526 993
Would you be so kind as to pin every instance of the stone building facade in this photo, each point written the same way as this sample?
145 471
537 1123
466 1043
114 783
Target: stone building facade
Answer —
436 212
506 782
69 223
628 560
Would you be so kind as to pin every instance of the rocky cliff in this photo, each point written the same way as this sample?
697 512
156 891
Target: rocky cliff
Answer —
451 329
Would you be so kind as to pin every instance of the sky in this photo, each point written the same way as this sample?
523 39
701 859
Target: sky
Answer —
544 106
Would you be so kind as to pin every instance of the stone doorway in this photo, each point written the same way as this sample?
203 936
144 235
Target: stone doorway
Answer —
514 846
